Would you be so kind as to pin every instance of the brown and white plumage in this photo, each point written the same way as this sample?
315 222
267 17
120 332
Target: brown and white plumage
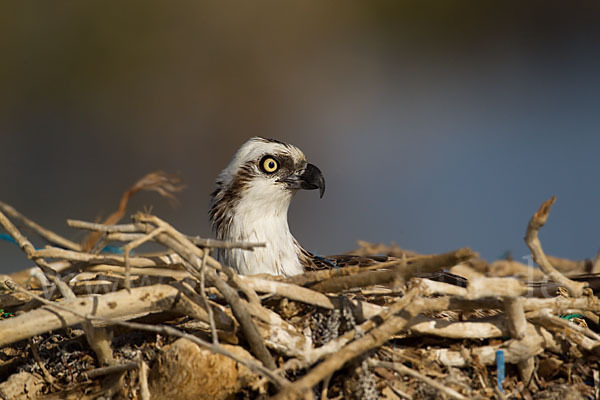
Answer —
251 201
250 204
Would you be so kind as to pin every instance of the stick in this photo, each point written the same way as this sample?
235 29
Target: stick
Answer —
544 314
96 337
293 292
179 243
134 232
241 285
398 270
132 245
55 252
40 230
161 329
489 328
517 325
36 356
491 287
535 340
533 242
94 373
144 390
402 369
439 304
112 305
213 327
374 338
145 271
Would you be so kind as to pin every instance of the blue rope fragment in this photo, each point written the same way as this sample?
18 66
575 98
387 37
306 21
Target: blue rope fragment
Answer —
500 369
108 249
113 250
8 238
327 261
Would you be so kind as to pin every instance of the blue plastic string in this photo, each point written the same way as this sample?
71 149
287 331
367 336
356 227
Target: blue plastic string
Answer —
108 249
500 369
8 238
331 263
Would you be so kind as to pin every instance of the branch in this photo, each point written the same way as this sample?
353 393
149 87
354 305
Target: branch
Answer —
491 287
40 230
374 338
193 255
132 232
399 270
292 292
96 337
119 304
404 370
493 327
161 329
535 342
518 325
533 242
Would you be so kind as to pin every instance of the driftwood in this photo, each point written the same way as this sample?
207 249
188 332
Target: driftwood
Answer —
290 338
531 238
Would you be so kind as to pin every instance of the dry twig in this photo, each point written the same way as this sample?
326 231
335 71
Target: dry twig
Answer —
193 255
533 242
166 330
400 270
165 184
403 369
47 234
374 338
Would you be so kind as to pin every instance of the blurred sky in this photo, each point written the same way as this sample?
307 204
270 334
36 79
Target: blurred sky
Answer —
437 124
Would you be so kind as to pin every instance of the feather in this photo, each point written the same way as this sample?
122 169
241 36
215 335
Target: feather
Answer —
251 205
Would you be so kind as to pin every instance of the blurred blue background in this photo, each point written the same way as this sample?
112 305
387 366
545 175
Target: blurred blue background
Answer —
437 124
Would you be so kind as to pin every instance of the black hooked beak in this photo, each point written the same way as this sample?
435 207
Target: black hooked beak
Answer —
311 178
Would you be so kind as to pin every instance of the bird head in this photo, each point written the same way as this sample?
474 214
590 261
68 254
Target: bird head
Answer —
262 178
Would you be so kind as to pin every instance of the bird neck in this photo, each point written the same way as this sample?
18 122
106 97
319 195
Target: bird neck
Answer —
254 220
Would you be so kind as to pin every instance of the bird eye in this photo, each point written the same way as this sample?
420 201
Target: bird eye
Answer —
269 165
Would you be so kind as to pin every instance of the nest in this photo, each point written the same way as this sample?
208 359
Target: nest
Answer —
175 323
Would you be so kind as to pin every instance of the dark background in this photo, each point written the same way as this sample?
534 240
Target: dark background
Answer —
437 124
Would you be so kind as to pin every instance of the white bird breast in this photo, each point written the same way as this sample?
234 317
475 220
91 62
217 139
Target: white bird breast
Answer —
261 216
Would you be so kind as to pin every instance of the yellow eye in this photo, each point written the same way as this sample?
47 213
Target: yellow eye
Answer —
269 165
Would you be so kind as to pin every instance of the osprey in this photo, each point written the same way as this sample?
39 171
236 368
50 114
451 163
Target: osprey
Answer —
250 204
